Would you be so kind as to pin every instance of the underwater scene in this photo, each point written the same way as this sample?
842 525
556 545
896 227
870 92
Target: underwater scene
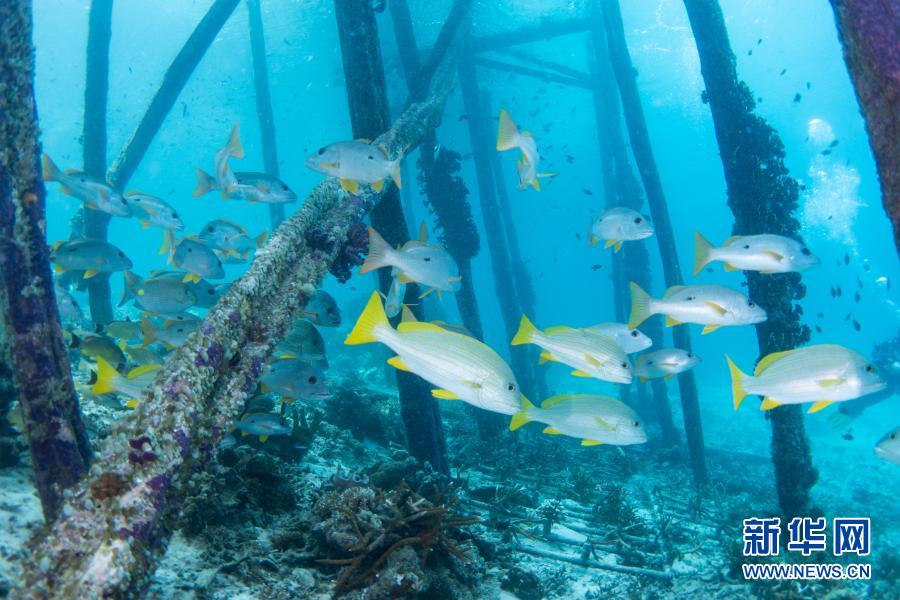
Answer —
449 299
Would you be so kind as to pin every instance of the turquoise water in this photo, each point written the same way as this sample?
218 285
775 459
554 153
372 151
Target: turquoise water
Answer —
788 53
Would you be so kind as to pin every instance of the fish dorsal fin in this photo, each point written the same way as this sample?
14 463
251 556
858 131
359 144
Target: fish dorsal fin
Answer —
558 399
71 171
131 193
768 359
411 326
378 185
729 267
552 431
557 329
363 140
404 278
591 443
731 239
674 290
670 322
407 316
237 226
397 363
769 404
423 233
142 370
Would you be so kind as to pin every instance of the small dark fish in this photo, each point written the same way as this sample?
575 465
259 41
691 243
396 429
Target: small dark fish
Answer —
848 317
596 267
856 325
570 159
826 152
833 143
848 436
749 52
833 293
821 315
587 192
783 71
859 282
797 97
839 292
846 259
709 270
818 329
578 236
856 297
759 41
808 85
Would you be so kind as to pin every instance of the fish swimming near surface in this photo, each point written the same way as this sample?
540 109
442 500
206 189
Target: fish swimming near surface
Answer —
231 238
151 211
195 258
590 354
303 341
617 225
248 185
133 386
171 335
294 379
631 340
428 265
763 253
666 362
223 178
713 306
594 419
89 255
822 374
354 163
322 310
159 295
263 425
94 193
888 447
460 366
509 137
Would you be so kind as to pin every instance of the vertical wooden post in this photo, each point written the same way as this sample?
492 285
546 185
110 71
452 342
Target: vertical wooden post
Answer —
264 102
763 197
370 117
621 187
646 163
37 356
95 222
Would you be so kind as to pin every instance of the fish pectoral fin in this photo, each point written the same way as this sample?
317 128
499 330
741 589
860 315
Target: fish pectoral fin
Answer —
617 247
581 374
817 406
709 329
145 224
552 431
191 277
377 185
349 185
263 438
829 383
773 254
404 278
591 443
131 403
769 404
717 307
593 360
59 268
730 268
397 363
546 357
609 243
670 322
444 395
90 273
601 422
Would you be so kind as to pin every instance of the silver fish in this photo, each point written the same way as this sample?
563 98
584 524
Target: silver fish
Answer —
163 295
95 194
294 379
88 255
322 310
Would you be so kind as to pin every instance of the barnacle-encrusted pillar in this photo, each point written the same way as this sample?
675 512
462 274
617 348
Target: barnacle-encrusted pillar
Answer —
370 115
646 163
111 532
93 138
264 101
763 197
868 30
37 356
621 188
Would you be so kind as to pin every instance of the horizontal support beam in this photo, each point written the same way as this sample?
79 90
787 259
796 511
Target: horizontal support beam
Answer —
544 30
549 77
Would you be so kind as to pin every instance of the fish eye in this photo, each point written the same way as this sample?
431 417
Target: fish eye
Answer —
190 249
210 228
121 254
211 292
624 365
638 220
321 151
750 303
649 362
689 355
893 436
313 379
511 387
284 186
637 423
746 246
635 333
174 215
690 298
81 179
371 157
870 369
427 259
805 252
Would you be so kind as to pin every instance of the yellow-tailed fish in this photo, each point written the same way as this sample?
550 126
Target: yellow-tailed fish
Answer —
294 379
263 425
223 179
133 385
667 362
171 335
711 305
88 255
822 374
322 310
509 137
194 257
354 163
303 341
160 295
590 354
95 193
99 347
460 366
126 330
249 186
888 447
594 419
152 211
231 238
617 225
427 265
764 253
631 340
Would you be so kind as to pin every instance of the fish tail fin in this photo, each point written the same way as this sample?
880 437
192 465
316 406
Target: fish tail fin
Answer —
261 239
379 253
149 332
507 132
132 281
521 417
205 183
526 330
106 378
737 383
49 170
395 173
702 250
167 246
641 308
370 321
234 142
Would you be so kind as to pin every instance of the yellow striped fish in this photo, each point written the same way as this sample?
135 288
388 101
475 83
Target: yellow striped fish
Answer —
594 419
589 353
133 386
822 374
460 366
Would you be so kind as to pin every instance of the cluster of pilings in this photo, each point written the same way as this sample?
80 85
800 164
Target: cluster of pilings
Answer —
108 546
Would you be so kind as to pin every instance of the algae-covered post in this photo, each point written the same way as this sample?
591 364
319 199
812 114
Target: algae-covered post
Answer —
37 356
646 163
621 187
868 30
176 77
108 547
763 197
264 101
96 86
369 117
